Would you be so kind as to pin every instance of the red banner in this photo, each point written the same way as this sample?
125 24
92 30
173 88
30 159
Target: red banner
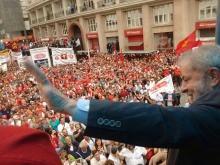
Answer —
134 32
92 35
206 25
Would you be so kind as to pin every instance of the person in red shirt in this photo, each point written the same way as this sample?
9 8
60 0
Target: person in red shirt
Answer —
124 92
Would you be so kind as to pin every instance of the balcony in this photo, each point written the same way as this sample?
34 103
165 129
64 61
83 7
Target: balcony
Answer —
34 21
72 9
86 7
49 17
59 14
103 4
35 4
41 19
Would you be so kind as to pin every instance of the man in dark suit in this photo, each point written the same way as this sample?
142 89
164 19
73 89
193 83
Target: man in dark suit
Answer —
170 98
193 134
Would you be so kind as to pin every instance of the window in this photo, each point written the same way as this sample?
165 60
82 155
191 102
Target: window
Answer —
207 9
53 30
73 1
92 25
111 22
38 33
44 32
61 11
60 6
163 14
64 29
109 1
88 4
134 18
207 33
49 12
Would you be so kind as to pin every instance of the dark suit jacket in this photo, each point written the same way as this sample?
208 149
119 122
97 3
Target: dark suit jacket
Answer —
165 97
193 133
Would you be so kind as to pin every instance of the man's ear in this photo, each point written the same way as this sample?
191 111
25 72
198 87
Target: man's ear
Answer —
215 76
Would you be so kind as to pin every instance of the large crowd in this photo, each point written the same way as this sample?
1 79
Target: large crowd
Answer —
98 77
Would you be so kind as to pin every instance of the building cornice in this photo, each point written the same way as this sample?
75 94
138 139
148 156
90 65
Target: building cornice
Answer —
91 13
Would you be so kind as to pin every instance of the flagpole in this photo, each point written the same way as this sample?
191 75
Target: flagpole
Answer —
217 30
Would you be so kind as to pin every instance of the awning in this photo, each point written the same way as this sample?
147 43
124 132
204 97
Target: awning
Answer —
134 44
140 52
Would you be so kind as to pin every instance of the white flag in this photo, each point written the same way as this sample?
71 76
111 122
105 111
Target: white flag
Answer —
78 42
164 85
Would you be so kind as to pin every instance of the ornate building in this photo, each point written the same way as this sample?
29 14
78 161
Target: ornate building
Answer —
136 24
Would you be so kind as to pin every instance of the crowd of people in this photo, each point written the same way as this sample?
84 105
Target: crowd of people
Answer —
61 43
99 77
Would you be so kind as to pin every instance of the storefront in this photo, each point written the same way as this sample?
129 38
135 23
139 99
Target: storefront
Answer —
134 38
206 32
94 40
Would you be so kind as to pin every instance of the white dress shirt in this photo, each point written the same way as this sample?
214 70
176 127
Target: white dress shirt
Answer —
134 158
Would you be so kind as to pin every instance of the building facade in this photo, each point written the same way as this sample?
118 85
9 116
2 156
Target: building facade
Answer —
136 24
11 21
14 22
27 30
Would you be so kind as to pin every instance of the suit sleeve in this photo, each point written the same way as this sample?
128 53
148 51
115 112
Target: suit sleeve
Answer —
154 126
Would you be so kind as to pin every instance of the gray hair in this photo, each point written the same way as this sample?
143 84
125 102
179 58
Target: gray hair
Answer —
202 58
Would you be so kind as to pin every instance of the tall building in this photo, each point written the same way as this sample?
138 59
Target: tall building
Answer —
136 24
27 30
11 20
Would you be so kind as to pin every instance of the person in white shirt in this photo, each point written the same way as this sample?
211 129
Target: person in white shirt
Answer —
62 125
152 82
71 128
133 155
89 141
148 86
114 156
97 159
158 98
15 121
143 90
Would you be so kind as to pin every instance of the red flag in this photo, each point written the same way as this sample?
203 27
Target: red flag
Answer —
198 42
187 44
122 57
13 46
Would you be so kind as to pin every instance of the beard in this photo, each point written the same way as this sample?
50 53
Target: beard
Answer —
203 87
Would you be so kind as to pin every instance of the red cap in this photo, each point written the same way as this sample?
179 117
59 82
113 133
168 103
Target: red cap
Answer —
22 145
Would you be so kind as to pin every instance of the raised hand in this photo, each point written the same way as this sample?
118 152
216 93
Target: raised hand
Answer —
55 99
